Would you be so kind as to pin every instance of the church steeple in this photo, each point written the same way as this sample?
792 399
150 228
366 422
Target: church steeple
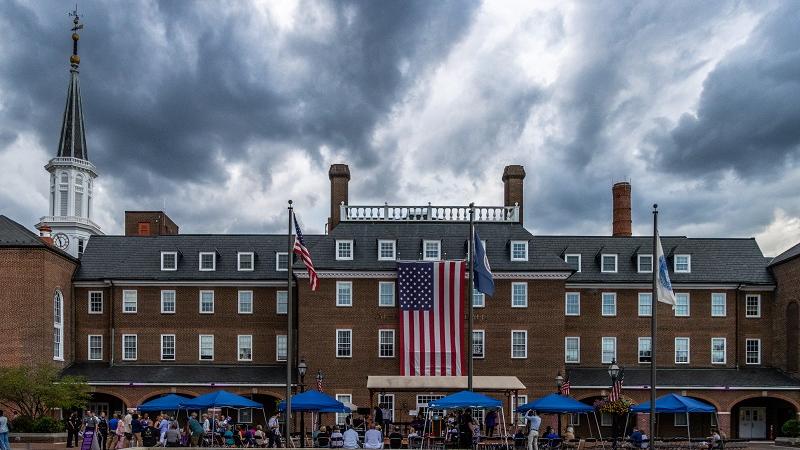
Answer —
72 143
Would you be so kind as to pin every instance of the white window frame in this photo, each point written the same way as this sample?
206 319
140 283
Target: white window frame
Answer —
746 352
688 304
639 349
252 257
639 304
339 302
688 350
278 303
525 332
382 400
724 350
349 346
480 297
602 302
200 301
567 255
639 262
344 398
278 338
58 325
135 294
747 314
339 257
603 266
679 420
278 261
519 283
520 399
89 298
567 340
213 261
244 415
483 344
381 343
174 347
566 303
724 304
200 347
239 347
381 284
174 301
525 244
135 348
168 269
688 263
425 256
239 301
603 339
394 250
89 347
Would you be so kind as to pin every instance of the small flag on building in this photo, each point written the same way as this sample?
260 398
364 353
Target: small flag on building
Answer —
484 281
565 387
319 384
663 285
616 389
301 251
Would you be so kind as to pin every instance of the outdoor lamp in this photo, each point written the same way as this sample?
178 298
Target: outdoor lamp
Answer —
559 381
302 368
613 369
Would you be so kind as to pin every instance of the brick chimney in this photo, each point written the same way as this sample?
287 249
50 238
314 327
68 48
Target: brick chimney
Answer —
513 178
339 174
621 193
45 235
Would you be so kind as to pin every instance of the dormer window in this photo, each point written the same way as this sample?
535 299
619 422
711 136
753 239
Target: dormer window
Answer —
387 250
608 263
169 260
208 261
683 264
574 261
281 262
431 250
245 261
519 250
344 250
644 263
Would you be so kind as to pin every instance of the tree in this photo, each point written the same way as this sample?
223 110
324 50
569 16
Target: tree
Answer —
35 390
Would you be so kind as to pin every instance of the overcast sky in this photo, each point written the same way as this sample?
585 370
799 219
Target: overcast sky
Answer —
224 110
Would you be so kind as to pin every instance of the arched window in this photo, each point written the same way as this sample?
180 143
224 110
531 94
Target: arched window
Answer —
89 199
63 195
78 196
58 326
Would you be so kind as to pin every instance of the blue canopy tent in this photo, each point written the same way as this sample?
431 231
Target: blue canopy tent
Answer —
467 400
677 404
221 399
170 402
560 404
315 401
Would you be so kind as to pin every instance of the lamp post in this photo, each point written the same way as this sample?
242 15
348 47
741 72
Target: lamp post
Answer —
559 384
613 372
302 367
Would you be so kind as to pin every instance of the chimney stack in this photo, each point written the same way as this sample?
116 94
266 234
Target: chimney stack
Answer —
621 193
339 174
513 177
45 235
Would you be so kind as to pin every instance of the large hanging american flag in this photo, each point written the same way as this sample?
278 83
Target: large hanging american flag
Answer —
301 251
431 317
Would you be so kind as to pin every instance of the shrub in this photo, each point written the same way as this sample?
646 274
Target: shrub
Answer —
47 425
791 428
22 424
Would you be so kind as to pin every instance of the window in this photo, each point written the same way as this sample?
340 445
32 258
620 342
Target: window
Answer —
281 261
572 349
645 304
143 228
478 299
719 305
206 347
208 261
680 420
386 250
281 346
572 305
344 293
683 264
206 302
129 347
519 250
609 350
344 343
167 302
478 346
608 264
681 350
95 302
681 305
431 250
80 247
516 401
245 302
606 419
645 350
281 302
78 196
344 398
129 302
63 194
386 293
58 326
245 347
575 420
422 403
718 350
344 250
574 260
644 263
519 295
168 347
753 351
245 261
386 402
519 344
169 260
386 343
609 306
244 415
752 308
95 347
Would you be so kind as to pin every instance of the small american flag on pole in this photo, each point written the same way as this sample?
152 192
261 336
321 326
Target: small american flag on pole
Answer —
431 312
301 251
319 384
565 388
616 390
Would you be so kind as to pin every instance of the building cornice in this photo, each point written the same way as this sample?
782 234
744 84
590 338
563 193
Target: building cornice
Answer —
335 274
699 388
203 283
675 286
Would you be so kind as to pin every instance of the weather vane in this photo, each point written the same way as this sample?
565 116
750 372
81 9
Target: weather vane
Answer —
75 59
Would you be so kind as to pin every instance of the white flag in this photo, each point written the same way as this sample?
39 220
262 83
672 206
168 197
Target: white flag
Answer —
664 286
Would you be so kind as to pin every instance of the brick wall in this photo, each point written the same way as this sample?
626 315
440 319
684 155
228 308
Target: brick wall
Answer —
785 350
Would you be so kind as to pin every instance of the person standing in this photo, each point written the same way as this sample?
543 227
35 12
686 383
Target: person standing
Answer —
196 429
491 423
4 445
274 431
378 416
136 431
112 430
534 422
102 430
128 428
73 426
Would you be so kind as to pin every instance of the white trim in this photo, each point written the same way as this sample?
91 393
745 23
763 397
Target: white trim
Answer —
136 348
688 305
277 303
724 350
380 287
89 300
750 316
602 349
239 261
616 263
639 349
759 351
394 249
602 299
200 301
688 263
336 250
724 304
338 302
220 283
566 304
580 261
89 347
278 259
425 243
478 294
277 347
239 302
681 286
162 261
200 347
512 344
525 305
377 274
566 339
394 342
697 388
336 349
174 347
688 350
239 347
511 248
639 262
174 301
483 344
213 261
639 304
135 301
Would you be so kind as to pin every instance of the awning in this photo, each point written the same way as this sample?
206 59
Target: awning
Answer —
220 399
466 399
554 404
315 401
673 403
168 402
429 383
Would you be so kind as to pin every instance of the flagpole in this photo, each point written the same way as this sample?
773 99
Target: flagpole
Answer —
471 291
653 308
289 327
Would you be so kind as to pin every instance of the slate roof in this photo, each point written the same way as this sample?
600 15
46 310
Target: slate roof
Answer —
12 234
712 260
99 372
747 377
792 253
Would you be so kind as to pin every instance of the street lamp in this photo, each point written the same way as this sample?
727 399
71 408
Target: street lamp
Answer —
559 384
302 368
613 372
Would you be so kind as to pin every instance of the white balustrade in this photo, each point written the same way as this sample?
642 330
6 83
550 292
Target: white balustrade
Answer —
429 213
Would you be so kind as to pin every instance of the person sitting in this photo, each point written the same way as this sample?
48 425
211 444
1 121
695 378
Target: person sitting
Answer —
172 436
414 439
228 436
395 438
373 438
350 437
323 438
520 440
337 439
714 441
569 435
636 438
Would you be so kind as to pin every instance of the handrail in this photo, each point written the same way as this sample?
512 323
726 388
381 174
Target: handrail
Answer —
428 213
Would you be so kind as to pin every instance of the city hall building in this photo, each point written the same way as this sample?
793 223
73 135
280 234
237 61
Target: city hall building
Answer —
154 311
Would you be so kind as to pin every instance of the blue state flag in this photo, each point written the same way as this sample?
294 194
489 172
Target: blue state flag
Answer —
663 285
484 281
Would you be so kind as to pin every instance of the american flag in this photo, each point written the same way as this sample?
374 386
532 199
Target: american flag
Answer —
565 388
301 251
319 384
431 317
616 389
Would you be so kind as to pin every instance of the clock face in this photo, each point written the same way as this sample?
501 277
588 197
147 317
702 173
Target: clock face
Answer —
61 241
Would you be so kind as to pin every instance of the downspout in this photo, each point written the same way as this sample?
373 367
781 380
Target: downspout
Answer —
111 324
736 326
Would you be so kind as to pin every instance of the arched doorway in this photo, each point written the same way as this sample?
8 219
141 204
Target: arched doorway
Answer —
759 418
101 402
792 331
694 425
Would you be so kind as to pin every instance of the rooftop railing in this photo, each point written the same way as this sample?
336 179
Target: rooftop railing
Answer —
69 161
429 213
68 219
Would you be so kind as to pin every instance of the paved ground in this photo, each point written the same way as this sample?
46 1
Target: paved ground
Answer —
754 445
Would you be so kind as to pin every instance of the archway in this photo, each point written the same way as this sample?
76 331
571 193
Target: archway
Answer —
699 424
101 402
792 336
759 418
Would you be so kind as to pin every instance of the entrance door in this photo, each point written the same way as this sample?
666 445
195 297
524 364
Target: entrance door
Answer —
752 423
